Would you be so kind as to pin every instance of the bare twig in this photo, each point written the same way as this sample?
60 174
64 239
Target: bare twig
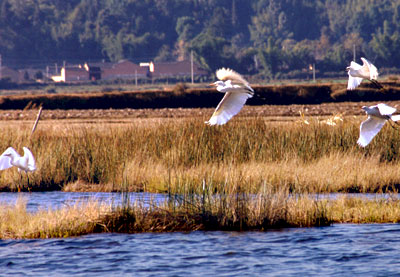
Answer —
37 120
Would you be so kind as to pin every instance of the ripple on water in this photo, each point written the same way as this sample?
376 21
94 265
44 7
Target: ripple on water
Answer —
336 250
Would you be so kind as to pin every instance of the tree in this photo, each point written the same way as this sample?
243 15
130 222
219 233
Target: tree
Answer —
386 45
38 75
212 52
270 56
186 28
270 23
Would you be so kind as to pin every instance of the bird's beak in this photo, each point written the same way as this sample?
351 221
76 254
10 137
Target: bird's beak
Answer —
212 85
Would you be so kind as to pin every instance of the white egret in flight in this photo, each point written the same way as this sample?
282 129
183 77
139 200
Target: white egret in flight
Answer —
357 73
377 117
237 90
10 158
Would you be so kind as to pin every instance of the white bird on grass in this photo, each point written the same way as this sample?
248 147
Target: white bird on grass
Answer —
10 158
377 117
237 90
357 73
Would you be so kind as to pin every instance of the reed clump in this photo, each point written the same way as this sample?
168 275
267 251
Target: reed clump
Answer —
239 211
176 155
358 210
78 219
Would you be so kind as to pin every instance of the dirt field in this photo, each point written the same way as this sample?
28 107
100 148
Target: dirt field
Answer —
326 109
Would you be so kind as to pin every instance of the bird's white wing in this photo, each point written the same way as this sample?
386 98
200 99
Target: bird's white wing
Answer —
355 65
373 71
225 74
385 109
353 82
229 106
5 161
228 74
31 159
368 130
395 117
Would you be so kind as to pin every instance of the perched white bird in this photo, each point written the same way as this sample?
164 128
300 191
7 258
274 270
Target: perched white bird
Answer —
377 117
357 73
237 90
10 158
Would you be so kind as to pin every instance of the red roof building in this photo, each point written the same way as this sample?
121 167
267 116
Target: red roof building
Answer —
177 69
122 70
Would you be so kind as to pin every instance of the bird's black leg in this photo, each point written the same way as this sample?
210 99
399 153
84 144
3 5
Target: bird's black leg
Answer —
377 84
393 123
27 178
20 183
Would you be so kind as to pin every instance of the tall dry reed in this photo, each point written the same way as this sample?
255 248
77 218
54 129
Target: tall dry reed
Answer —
237 211
79 219
176 155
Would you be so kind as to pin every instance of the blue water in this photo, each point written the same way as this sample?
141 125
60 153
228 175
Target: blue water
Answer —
338 250
58 199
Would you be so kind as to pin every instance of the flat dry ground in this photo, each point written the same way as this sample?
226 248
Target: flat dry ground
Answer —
120 115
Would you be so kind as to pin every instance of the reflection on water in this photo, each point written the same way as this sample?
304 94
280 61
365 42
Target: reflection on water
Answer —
58 199
340 250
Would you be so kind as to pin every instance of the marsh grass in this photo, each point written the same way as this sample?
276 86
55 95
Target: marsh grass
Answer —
234 212
357 210
78 219
238 211
178 155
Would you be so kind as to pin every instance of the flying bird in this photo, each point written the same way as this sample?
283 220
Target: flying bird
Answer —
377 117
357 73
10 158
237 90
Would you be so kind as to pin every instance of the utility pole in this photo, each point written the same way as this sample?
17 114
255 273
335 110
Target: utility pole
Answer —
136 77
312 68
354 52
234 18
191 66
313 72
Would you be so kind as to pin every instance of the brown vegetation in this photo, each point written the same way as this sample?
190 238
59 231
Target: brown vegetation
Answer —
182 96
239 211
235 211
253 173
177 155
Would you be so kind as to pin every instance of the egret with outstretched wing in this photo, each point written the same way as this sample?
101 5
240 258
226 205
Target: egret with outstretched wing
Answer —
377 117
10 158
359 72
237 90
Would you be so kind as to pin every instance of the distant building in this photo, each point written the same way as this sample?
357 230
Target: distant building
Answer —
6 72
72 74
125 69
177 69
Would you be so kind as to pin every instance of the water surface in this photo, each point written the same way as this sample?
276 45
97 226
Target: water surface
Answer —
339 250
59 199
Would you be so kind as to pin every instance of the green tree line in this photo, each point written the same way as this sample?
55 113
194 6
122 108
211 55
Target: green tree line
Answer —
265 38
